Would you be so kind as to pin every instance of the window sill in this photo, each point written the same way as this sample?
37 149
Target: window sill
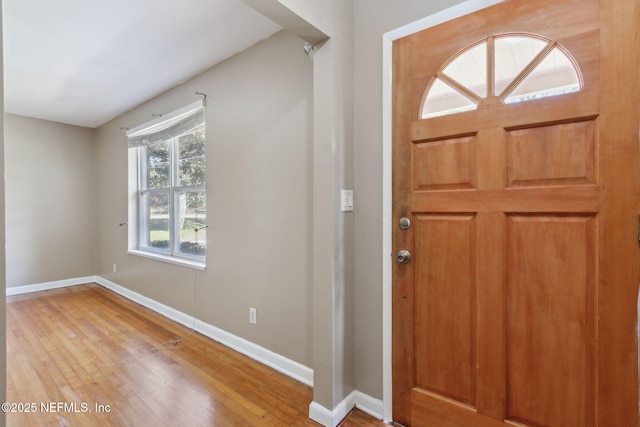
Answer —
197 265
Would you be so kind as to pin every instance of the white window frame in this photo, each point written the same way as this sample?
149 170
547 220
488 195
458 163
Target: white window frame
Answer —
138 221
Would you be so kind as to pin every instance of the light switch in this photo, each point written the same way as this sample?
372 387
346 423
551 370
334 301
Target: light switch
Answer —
347 200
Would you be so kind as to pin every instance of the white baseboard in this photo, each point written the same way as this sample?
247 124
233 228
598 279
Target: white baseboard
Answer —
368 404
151 304
280 363
355 399
295 370
321 415
45 286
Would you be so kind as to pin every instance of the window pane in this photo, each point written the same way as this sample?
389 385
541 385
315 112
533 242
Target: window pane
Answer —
191 152
158 220
513 54
524 67
470 69
555 75
192 218
158 165
443 99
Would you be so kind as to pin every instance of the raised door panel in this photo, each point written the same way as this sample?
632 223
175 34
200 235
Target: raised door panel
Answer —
550 291
562 154
446 164
444 305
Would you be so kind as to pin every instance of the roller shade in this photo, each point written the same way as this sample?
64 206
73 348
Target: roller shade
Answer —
168 126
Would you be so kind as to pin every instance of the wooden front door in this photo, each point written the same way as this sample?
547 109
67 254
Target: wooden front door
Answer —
518 306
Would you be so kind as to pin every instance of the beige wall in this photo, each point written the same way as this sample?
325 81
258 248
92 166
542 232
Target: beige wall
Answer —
50 196
333 246
259 178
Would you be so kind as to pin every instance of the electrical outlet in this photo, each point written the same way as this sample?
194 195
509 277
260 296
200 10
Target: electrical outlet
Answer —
115 268
253 316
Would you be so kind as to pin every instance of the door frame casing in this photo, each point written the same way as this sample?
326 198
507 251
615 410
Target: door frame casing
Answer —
461 9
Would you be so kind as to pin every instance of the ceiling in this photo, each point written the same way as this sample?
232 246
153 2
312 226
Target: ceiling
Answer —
86 62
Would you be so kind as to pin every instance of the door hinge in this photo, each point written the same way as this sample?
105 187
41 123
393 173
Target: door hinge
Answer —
638 230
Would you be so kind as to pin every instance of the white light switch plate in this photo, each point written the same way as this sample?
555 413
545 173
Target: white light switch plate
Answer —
347 200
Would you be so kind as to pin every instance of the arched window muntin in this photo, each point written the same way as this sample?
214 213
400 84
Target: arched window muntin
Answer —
501 69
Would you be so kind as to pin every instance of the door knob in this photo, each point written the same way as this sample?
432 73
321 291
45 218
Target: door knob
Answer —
403 257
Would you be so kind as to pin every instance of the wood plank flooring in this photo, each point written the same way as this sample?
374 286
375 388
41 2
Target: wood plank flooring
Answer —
84 356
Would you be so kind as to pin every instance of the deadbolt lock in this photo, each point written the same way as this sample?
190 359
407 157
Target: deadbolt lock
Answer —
404 223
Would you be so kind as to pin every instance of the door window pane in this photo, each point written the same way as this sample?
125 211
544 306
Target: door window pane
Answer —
513 54
555 75
470 69
443 100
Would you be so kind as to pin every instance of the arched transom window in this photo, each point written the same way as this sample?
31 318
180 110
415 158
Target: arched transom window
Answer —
506 68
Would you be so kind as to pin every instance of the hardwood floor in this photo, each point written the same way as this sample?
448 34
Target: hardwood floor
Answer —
84 356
